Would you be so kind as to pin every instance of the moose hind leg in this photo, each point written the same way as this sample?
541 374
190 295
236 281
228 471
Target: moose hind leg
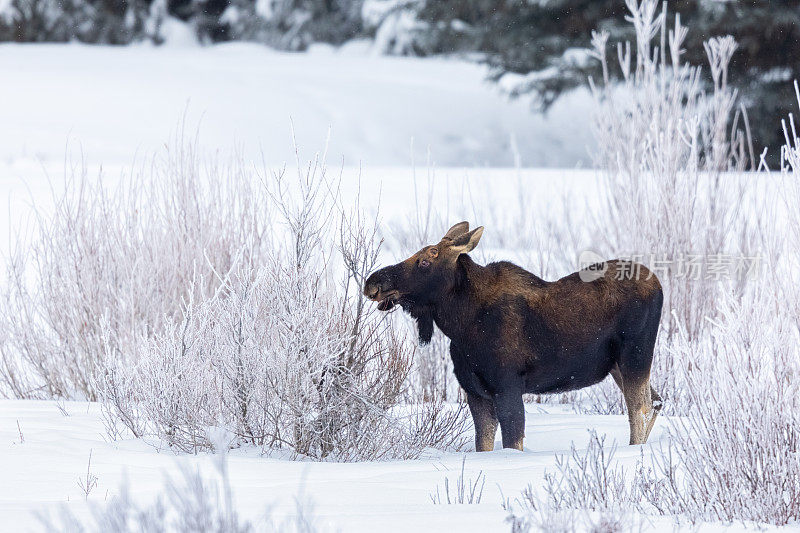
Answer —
655 403
634 369
485 420
654 395
641 415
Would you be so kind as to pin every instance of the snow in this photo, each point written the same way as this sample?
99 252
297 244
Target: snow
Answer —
5 10
177 33
111 103
41 471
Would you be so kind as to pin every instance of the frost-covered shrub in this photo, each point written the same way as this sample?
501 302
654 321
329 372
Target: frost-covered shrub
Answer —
110 266
280 365
736 457
735 454
466 491
587 492
665 147
549 520
790 171
586 479
433 378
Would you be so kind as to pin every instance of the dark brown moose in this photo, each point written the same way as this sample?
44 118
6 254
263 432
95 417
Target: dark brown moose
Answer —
513 333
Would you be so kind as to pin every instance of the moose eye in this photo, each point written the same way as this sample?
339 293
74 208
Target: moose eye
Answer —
424 264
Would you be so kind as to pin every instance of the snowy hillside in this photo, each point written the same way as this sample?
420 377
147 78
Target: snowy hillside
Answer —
113 103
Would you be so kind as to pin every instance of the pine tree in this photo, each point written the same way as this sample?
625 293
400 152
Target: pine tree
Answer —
285 24
539 39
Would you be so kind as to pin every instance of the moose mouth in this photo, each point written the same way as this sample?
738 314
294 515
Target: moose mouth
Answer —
387 301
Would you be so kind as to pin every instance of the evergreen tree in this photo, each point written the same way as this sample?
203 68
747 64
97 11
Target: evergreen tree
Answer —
538 39
284 24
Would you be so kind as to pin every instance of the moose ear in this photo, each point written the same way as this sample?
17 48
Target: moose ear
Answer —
467 242
456 231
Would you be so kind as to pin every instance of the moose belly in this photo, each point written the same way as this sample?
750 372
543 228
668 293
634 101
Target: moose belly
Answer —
567 372
485 373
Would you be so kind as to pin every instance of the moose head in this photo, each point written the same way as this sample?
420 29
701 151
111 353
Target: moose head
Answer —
421 281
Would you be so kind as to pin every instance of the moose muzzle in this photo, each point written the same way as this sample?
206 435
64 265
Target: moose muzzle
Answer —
379 289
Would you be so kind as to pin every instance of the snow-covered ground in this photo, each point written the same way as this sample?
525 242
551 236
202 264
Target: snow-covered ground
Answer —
44 453
111 102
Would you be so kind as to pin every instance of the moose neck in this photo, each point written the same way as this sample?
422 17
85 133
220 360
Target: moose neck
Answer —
456 310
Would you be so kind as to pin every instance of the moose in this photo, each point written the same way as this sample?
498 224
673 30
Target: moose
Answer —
513 333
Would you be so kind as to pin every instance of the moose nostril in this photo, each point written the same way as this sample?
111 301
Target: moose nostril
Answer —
371 291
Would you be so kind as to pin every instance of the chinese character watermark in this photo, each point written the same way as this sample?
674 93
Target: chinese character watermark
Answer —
689 266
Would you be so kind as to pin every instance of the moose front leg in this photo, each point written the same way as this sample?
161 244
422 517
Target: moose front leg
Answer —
485 420
511 414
